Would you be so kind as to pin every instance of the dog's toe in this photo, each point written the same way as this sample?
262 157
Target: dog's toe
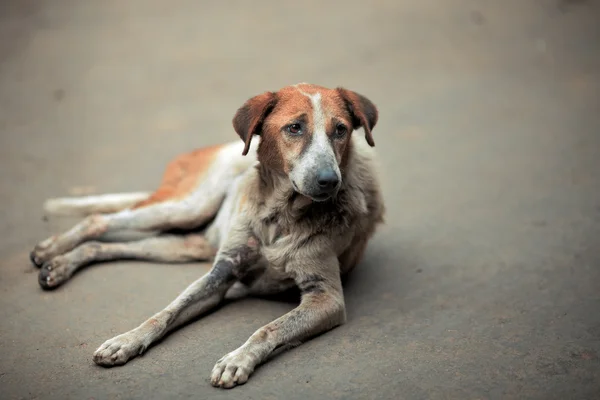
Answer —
34 259
53 273
39 256
44 251
46 278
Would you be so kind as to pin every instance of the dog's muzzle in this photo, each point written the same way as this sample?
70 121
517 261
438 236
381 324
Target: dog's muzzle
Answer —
326 184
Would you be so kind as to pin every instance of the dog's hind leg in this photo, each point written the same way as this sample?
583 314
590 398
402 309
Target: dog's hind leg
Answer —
157 217
190 195
164 248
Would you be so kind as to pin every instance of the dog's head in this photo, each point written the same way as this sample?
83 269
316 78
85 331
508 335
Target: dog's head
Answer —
305 133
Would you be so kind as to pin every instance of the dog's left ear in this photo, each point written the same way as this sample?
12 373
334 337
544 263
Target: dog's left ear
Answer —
363 112
249 118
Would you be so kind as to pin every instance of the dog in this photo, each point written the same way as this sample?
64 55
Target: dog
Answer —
293 208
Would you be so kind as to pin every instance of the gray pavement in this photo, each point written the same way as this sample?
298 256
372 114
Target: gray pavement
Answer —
485 282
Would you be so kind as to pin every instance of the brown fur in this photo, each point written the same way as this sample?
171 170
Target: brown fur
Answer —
182 176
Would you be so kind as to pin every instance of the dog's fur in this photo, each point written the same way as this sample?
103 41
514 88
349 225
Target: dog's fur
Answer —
297 211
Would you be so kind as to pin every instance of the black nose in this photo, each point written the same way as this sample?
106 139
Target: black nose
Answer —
327 179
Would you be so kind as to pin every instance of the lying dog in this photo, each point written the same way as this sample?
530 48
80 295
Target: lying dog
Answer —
297 211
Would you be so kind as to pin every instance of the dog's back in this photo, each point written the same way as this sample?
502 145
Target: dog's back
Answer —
214 167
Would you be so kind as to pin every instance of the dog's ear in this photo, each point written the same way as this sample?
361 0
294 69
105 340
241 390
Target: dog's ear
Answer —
363 112
249 118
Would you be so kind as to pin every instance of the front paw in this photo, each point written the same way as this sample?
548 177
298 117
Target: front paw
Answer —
55 272
233 369
118 350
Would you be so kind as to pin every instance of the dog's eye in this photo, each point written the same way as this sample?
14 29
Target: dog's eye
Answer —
340 130
294 129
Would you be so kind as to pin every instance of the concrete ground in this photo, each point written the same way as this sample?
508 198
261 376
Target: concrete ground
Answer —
485 282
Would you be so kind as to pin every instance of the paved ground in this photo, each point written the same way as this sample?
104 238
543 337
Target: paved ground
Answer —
485 282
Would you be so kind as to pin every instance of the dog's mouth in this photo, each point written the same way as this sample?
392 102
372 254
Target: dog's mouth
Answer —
322 197
314 197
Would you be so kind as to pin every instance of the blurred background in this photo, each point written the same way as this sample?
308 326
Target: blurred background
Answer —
484 283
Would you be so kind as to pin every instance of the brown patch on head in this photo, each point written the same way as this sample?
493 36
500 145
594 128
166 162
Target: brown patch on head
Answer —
269 152
278 147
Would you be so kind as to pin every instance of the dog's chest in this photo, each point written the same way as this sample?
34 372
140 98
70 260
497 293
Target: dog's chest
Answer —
271 231
276 242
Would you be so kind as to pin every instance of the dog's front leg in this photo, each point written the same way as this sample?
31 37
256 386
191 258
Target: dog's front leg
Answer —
202 295
321 309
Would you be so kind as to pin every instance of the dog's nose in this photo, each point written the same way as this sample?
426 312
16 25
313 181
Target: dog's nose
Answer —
327 179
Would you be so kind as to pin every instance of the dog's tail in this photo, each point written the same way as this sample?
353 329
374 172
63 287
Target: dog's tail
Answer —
99 204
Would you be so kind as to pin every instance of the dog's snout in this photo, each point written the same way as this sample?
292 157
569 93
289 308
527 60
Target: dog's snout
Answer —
327 179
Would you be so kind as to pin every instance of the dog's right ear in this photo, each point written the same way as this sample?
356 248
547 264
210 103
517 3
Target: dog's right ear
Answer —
249 118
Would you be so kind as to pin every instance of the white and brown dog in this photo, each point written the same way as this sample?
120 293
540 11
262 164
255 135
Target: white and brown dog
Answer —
297 211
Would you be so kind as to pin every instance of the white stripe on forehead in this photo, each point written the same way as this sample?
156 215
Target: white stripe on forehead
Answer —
318 114
320 145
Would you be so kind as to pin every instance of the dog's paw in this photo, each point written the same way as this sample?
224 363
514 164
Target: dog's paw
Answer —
233 369
42 252
54 273
118 350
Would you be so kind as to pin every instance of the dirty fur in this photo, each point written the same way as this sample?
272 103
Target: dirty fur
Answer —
293 205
